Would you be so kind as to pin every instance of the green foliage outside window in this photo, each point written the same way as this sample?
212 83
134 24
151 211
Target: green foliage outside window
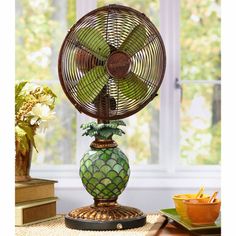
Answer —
200 60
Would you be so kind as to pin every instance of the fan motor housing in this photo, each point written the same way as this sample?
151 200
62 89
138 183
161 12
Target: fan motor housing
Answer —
118 64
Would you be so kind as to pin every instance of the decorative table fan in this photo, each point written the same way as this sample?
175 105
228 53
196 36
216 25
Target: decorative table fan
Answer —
111 65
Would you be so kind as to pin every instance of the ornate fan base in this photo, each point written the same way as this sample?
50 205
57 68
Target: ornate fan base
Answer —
105 215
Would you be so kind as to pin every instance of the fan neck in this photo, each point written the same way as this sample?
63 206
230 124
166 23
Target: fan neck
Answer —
103 143
101 121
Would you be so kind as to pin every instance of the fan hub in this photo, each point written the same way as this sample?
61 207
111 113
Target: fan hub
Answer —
118 64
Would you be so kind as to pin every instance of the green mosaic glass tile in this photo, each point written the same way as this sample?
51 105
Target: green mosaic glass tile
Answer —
95 169
96 191
112 174
126 178
121 161
105 169
105 157
116 191
106 181
99 163
100 187
91 169
86 157
126 167
108 152
99 175
90 186
122 174
87 175
118 180
111 186
92 153
117 168
84 180
83 169
87 163
106 191
116 151
111 162
93 181
104 172
121 185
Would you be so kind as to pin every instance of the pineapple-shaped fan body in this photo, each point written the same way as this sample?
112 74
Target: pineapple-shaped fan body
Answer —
104 172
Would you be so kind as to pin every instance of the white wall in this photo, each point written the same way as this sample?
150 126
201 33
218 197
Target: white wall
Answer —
147 200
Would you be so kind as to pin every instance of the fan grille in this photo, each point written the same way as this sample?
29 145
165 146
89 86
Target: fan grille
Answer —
122 93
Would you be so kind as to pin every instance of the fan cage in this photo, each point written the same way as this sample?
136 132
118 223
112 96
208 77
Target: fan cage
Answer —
115 23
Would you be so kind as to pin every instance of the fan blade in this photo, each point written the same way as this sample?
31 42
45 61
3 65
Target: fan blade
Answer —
132 87
134 41
93 40
85 61
90 85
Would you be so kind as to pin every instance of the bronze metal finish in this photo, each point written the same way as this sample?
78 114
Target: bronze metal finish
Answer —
103 143
105 210
118 64
105 214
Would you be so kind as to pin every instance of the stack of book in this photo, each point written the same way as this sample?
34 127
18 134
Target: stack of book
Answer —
34 201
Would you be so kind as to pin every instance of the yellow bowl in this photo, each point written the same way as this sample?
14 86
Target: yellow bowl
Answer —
181 207
200 212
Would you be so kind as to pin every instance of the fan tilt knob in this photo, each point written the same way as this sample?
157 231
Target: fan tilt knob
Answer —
118 64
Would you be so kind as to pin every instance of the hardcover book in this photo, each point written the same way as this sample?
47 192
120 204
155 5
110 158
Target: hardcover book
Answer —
34 189
34 211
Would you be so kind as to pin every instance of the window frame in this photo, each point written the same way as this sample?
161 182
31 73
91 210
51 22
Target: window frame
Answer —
169 172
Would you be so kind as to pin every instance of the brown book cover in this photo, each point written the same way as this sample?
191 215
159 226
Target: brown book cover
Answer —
35 211
34 189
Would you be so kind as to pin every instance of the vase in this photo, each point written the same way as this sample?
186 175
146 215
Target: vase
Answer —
23 163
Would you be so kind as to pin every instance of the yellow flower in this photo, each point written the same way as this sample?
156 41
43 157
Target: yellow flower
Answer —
30 87
46 99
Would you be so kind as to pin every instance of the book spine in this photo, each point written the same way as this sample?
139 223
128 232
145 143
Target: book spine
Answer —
34 212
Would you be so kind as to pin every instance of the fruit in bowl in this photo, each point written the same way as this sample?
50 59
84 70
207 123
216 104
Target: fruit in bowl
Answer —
201 211
180 206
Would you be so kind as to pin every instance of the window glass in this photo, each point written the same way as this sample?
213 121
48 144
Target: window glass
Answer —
200 74
200 39
41 26
141 141
201 124
149 7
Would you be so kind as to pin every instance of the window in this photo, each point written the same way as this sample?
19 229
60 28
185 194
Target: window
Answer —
200 79
179 130
40 29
